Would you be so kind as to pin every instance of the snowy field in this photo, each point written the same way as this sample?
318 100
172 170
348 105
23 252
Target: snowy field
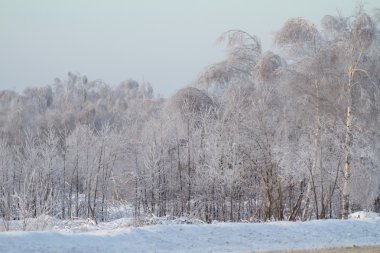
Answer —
119 236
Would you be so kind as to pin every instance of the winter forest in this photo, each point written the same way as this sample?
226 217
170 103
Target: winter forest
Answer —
291 134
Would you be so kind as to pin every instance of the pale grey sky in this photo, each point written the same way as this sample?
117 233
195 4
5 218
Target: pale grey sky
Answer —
164 42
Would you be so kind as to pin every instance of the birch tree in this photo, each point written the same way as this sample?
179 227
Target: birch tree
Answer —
355 36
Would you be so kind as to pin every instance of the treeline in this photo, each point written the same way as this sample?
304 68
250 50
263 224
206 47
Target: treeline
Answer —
258 136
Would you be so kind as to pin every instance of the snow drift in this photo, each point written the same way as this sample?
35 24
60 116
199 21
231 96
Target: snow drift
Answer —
119 236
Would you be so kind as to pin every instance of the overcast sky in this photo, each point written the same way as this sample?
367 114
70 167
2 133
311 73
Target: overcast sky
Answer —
165 43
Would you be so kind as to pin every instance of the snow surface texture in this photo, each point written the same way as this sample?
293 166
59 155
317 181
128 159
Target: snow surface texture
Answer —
362 229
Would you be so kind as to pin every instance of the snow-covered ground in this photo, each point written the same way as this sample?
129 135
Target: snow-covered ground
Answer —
171 236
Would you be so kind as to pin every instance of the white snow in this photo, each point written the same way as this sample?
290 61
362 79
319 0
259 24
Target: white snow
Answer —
120 236
364 215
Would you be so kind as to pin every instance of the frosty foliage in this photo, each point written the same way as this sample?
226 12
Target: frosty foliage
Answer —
267 66
363 31
243 52
258 136
191 100
332 24
297 34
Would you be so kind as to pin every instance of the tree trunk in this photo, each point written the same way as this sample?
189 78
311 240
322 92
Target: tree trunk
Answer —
179 173
347 145
317 156
305 213
64 184
297 206
188 169
346 170
77 188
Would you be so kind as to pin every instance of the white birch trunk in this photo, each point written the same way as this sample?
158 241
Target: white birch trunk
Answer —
347 145
346 169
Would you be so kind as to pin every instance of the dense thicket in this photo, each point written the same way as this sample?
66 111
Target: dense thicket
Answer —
257 136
